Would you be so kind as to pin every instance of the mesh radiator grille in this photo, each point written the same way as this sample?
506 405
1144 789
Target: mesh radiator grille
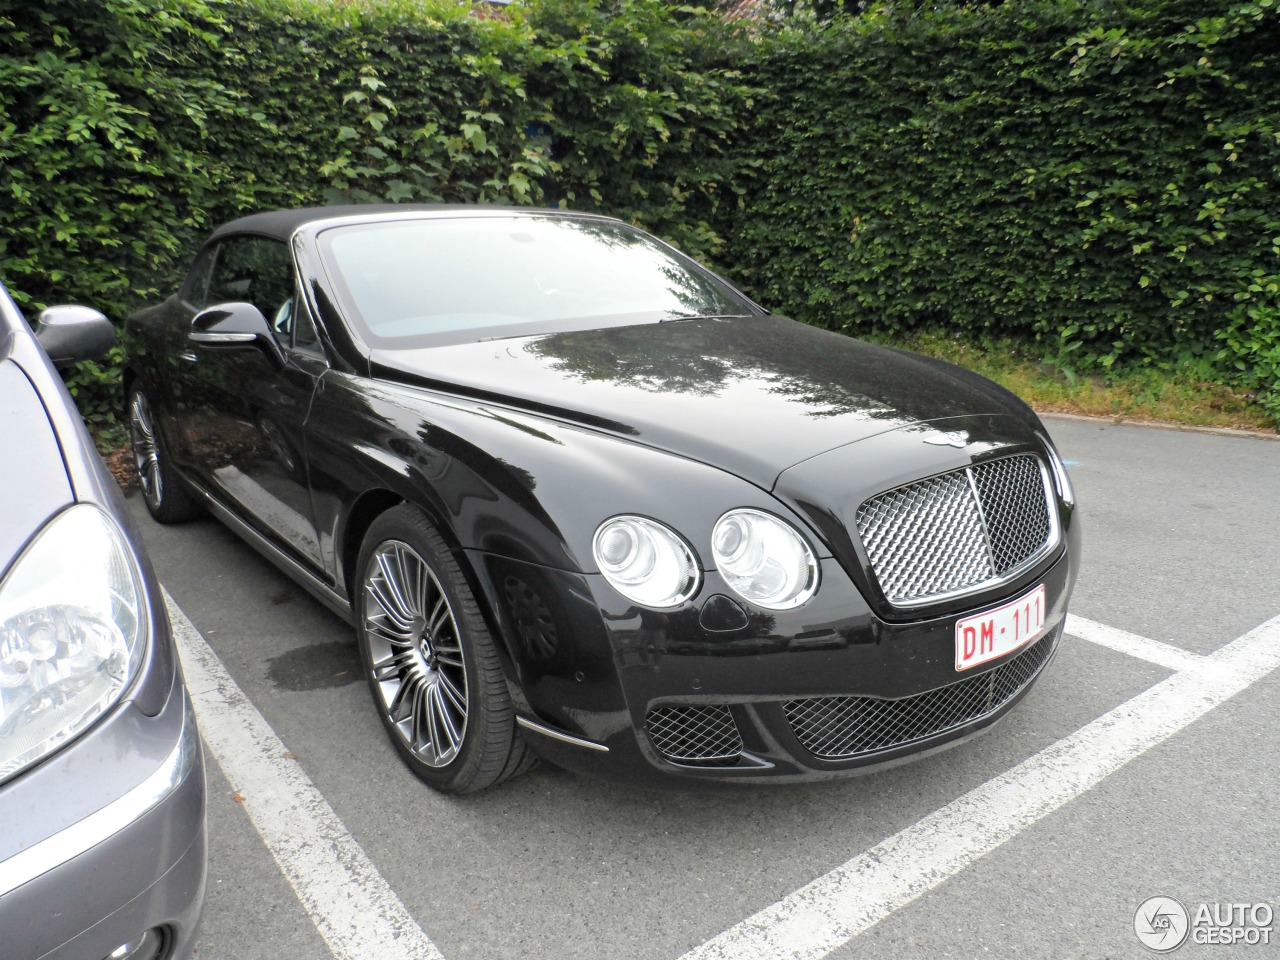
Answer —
957 531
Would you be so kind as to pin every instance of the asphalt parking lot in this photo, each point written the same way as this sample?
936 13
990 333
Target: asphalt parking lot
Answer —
1144 763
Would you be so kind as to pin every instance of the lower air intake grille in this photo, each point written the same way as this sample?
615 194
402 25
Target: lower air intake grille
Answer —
838 728
703 736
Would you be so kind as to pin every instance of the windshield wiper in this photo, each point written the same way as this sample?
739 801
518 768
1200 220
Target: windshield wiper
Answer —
707 316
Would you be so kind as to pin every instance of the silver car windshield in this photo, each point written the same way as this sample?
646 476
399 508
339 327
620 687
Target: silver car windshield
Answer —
414 283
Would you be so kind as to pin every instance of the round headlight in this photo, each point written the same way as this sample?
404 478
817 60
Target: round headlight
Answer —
764 559
646 561
73 633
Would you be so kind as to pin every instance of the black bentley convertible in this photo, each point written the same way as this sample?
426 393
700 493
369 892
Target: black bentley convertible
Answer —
581 497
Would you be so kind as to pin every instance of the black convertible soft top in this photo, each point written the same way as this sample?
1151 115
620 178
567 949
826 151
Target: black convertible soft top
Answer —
281 224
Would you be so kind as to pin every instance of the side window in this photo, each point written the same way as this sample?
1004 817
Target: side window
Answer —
258 271
305 337
196 291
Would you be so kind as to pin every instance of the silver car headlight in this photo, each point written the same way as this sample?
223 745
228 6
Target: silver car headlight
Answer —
764 559
73 633
646 561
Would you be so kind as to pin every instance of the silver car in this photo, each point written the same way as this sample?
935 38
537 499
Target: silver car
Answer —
102 785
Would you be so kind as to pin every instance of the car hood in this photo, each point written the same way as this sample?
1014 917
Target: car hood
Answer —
751 395
35 483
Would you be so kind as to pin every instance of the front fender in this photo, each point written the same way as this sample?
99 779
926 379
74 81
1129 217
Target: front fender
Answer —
503 482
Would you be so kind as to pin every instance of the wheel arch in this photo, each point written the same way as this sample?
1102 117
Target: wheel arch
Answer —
373 503
364 510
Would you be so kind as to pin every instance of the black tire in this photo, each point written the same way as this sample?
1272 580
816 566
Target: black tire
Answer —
432 667
167 500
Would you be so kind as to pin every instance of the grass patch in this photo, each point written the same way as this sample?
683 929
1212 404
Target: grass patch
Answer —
1139 394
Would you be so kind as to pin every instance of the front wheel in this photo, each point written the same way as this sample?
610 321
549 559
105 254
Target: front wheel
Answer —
431 664
167 500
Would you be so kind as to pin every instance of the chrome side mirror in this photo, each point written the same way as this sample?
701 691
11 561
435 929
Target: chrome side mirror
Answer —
230 326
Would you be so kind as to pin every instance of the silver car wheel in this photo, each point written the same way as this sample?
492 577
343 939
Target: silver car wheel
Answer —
146 451
415 653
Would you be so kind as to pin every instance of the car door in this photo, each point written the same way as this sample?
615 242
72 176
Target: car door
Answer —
242 410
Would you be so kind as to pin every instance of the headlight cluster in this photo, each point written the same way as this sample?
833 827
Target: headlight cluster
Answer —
761 557
646 561
73 629
764 559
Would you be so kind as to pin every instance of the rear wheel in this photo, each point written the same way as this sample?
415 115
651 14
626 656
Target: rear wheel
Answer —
431 664
168 501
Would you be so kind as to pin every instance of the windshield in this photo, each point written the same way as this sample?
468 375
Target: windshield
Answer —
415 283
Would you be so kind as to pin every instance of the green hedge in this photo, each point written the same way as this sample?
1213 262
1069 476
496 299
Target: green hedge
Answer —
1099 178
103 166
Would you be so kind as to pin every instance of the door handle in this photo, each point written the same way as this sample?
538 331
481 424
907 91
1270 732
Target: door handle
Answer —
188 356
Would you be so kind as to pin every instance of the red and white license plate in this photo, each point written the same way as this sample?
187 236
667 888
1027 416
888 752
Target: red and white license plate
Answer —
986 636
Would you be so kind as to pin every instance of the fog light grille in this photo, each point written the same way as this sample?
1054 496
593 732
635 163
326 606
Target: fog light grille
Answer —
699 735
839 728
960 531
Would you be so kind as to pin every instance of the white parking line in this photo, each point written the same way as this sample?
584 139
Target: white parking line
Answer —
835 908
1153 651
360 917
351 905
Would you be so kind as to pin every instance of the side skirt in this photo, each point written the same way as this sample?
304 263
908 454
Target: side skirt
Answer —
287 565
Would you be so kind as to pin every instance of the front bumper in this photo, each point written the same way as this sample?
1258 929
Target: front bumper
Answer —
106 840
825 691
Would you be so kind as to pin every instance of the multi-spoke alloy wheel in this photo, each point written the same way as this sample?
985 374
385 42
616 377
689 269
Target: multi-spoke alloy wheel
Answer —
167 500
433 668
146 457
415 653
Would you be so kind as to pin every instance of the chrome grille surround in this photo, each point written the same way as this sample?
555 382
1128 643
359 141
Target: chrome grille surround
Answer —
703 735
842 728
959 532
